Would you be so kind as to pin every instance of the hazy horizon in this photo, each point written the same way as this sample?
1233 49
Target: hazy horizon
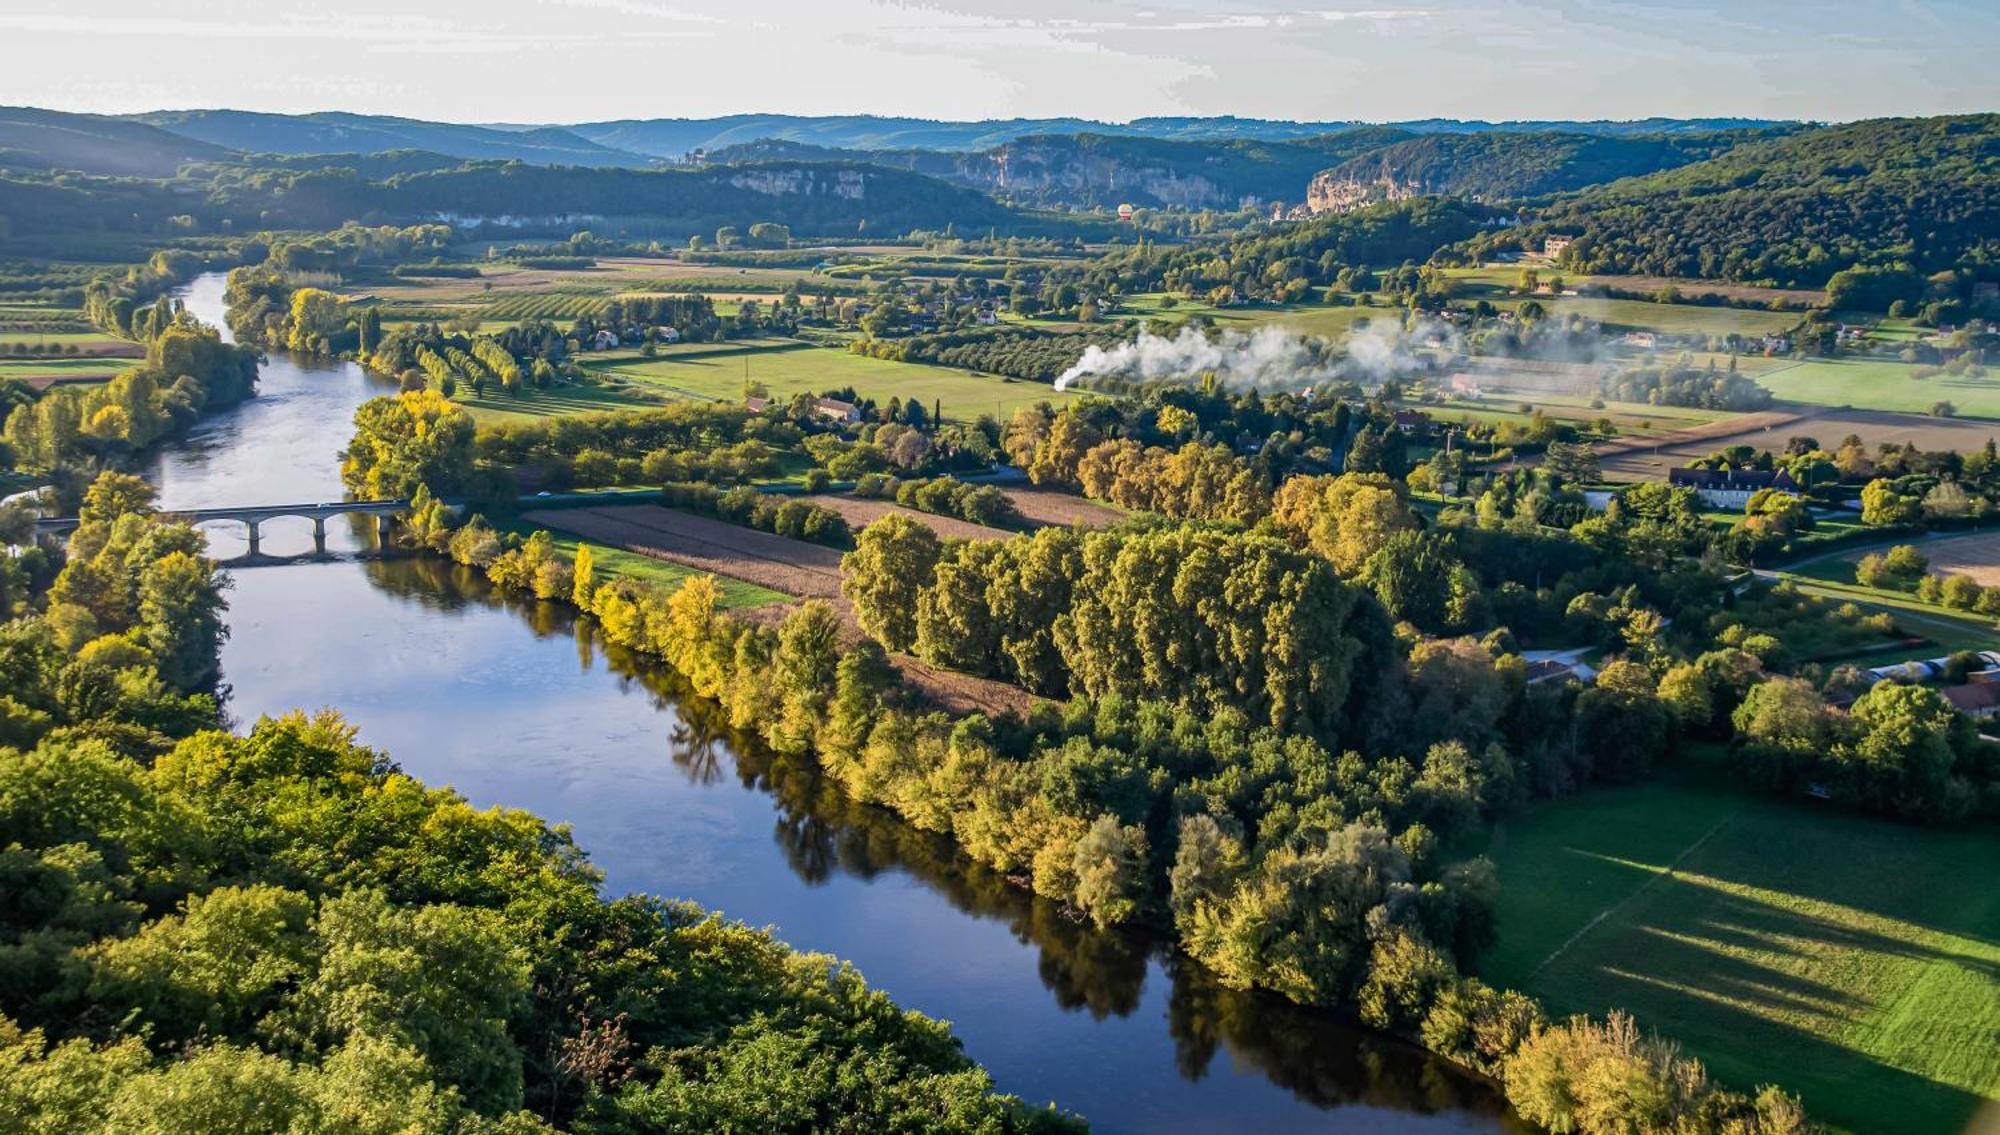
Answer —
555 61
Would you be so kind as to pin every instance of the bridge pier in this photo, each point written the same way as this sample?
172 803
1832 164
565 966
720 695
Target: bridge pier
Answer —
383 524
252 526
319 535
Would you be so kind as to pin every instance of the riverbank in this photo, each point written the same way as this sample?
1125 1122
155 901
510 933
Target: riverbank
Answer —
508 702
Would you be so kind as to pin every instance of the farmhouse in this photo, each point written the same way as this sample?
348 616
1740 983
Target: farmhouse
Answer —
1553 246
1413 421
1730 488
1558 666
1977 700
833 409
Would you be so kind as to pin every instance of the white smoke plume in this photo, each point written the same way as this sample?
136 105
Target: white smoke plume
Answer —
1266 357
1384 350
1273 358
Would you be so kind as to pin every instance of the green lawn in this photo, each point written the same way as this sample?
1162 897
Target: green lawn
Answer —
1948 629
1631 418
721 376
1852 960
1883 384
80 338
1671 318
498 406
1305 318
736 594
75 368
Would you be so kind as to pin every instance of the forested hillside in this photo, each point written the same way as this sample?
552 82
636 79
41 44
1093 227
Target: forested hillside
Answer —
1794 210
336 133
813 199
34 139
1491 166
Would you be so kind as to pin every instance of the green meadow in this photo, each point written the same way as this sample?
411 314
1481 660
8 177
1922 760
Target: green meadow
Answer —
722 376
1855 960
1883 384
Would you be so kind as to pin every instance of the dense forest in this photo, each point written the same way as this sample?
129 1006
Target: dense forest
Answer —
1496 166
1792 211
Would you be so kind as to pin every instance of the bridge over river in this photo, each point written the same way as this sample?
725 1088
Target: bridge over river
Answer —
253 516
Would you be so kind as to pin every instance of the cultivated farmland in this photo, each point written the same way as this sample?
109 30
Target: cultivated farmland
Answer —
1053 508
860 512
1827 426
781 564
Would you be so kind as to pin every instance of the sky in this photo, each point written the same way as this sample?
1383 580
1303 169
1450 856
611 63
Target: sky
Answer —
1111 60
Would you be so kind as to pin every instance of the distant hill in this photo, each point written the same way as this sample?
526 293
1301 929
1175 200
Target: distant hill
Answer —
337 133
814 199
1793 210
1103 171
676 137
32 139
1603 128
1501 164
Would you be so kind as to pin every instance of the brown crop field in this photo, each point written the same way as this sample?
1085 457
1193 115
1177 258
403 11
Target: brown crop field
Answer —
860 512
791 566
1052 508
781 564
1651 458
1976 555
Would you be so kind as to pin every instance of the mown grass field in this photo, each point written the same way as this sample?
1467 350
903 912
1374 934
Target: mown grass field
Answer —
75 369
1852 960
1883 384
80 339
736 594
961 394
1632 419
497 405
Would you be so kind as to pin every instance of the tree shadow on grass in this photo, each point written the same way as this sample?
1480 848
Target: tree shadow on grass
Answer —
1682 961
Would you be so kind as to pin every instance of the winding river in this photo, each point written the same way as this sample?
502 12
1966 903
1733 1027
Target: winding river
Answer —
518 704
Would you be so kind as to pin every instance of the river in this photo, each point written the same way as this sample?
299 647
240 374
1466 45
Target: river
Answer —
517 704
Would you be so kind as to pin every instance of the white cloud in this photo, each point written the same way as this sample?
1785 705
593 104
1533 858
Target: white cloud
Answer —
583 59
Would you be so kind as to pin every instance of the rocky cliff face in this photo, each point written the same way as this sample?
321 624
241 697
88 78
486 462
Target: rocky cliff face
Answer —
803 180
1060 172
1343 190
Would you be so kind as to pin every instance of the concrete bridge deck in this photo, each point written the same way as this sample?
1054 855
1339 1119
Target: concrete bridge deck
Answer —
253 515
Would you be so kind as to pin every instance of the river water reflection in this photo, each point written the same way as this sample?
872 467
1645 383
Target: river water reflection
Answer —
517 704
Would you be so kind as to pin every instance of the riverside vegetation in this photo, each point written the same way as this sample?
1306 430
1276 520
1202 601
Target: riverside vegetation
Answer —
1200 772
281 931
1285 706
1262 740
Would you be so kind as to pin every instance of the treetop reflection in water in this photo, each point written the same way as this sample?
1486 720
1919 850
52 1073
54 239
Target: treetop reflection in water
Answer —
515 703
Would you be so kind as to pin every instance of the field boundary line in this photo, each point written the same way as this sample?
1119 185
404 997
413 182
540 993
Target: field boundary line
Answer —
1608 911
